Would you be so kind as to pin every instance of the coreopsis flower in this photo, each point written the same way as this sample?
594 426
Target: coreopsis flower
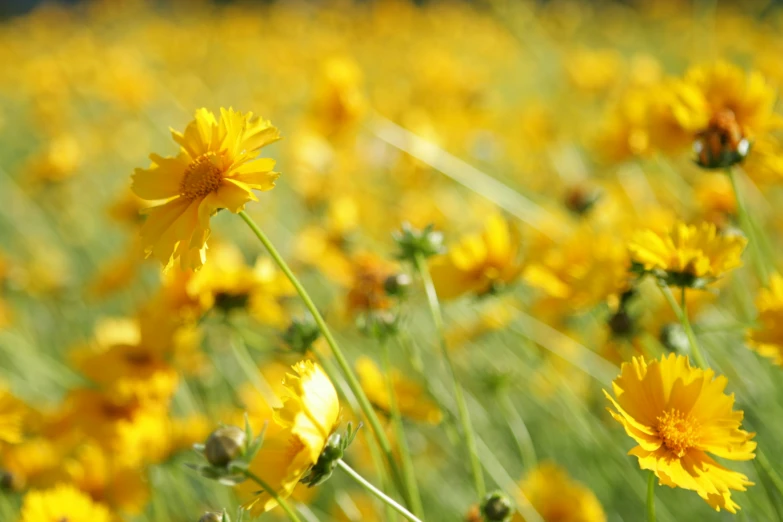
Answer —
767 340
479 263
62 502
367 291
680 415
215 169
12 413
410 396
687 255
35 462
294 441
556 497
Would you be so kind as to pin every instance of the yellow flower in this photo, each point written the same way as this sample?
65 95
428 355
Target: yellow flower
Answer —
63 502
558 498
411 398
12 412
215 169
293 443
687 252
768 339
479 263
677 415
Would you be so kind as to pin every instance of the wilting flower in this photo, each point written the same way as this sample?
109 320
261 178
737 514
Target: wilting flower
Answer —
410 396
216 168
63 502
556 497
479 263
768 338
687 255
304 423
678 415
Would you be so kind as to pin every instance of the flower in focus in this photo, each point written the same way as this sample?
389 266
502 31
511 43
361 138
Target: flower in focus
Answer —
216 168
479 263
558 498
411 398
767 340
687 255
62 503
679 415
304 423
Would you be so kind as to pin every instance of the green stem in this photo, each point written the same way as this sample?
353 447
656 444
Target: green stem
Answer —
377 492
682 315
272 493
459 397
747 227
402 443
350 377
651 497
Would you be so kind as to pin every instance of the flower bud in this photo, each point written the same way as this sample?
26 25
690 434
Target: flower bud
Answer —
674 338
412 242
211 516
496 507
397 285
224 445
302 333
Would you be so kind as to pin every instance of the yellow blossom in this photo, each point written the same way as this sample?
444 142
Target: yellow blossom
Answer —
767 340
63 502
678 415
216 168
556 497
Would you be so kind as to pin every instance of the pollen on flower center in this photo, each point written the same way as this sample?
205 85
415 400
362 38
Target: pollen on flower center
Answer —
201 177
679 432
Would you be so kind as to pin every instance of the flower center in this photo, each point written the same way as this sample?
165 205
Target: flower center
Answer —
202 177
679 432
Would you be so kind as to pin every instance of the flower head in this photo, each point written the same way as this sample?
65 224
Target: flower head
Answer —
556 497
302 427
63 502
216 168
687 255
678 415
767 340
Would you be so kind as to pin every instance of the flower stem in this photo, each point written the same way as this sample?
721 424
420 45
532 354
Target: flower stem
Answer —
377 492
402 443
459 396
350 377
682 314
747 227
272 493
651 497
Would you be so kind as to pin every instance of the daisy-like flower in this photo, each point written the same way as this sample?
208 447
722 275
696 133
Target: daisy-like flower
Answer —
12 412
309 415
479 263
556 497
63 502
216 168
679 415
768 339
686 255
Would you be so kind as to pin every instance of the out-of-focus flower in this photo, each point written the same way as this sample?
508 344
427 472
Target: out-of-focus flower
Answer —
767 340
368 283
12 413
556 497
63 502
687 255
678 415
338 101
479 263
716 199
304 423
410 396
593 70
215 169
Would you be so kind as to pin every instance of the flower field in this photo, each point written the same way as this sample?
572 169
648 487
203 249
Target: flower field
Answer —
391 260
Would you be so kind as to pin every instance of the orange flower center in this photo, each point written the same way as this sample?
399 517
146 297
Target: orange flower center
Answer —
679 432
202 177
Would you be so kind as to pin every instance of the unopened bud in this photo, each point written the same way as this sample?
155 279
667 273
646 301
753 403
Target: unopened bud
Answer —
224 445
496 507
413 242
211 516
302 333
397 285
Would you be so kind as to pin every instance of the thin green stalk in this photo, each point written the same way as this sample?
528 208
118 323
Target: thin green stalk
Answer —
350 377
747 226
377 492
651 497
272 493
408 474
459 397
519 431
682 315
